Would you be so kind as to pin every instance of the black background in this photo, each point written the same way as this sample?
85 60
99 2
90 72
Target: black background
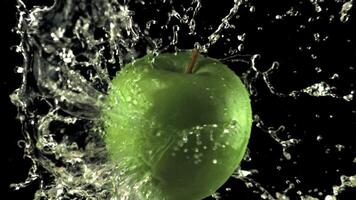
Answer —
278 41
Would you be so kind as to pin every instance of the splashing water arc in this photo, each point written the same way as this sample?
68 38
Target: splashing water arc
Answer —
299 72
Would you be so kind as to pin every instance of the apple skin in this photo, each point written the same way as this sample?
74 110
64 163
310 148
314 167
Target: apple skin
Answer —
188 132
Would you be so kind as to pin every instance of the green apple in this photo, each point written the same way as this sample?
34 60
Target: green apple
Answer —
187 129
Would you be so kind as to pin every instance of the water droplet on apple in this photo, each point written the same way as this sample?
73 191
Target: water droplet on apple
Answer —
185 139
134 102
180 144
215 161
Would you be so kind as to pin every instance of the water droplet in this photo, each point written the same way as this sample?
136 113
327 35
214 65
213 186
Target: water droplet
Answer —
340 147
316 37
240 47
329 197
348 97
318 9
278 17
287 155
180 143
19 70
215 161
334 76
241 37
345 11
185 139
318 69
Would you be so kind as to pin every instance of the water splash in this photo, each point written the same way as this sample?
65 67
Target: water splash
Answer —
73 48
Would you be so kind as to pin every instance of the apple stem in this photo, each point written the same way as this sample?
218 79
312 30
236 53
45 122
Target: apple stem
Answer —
195 54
